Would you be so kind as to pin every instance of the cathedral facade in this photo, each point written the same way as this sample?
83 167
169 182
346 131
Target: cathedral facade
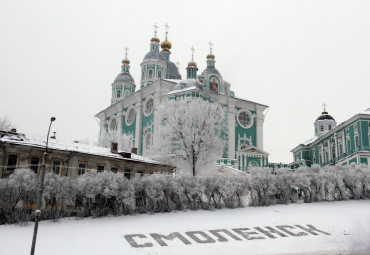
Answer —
133 105
345 144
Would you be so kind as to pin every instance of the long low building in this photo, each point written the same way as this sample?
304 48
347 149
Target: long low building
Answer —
346 144
70 158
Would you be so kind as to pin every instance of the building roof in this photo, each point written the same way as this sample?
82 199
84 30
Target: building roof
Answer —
124 77
58 144
154 55
186 84
172 69
325 116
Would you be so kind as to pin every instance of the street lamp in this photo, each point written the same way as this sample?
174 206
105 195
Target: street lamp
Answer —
41 190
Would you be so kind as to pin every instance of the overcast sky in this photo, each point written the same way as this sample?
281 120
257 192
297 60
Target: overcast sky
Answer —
59 58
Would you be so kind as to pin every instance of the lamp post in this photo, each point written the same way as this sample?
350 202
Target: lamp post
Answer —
41 190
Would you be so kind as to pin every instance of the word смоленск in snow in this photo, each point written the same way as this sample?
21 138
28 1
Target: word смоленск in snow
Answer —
222 235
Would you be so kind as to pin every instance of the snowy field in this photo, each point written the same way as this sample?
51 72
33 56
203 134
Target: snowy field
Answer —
240 231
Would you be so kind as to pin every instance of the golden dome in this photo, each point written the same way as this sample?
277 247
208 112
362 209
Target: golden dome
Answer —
126 61
192 63
210 56
154 39
166 45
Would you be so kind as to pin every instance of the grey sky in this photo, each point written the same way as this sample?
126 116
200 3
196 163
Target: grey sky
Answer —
60 58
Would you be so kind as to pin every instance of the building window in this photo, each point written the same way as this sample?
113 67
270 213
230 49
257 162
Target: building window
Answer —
329 126
127 174
56 166
141 173
148 106
159 74
127 93
148 140
213 86
99 168
114 169
130 116
34 166
118 93
142 75
12 163
150 73
81 168
113 124
357 141
321 127
245 118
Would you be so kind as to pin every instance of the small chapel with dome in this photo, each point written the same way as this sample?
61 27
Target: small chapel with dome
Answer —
132 110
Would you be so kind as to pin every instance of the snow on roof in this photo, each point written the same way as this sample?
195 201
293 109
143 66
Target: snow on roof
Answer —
58 144
182 90
311 140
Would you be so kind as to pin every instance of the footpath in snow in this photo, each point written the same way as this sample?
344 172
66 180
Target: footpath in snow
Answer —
317 228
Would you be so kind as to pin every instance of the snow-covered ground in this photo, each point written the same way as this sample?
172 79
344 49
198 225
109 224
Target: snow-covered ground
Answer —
347 222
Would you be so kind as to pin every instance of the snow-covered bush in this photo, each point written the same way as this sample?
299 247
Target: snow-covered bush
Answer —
100 194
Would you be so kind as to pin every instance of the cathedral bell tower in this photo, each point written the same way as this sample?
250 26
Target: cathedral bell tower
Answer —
324 123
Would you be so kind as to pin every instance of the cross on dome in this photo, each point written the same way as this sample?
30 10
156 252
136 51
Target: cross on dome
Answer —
178 64
167 27
126 50
210 46
155 29
324 105
192 53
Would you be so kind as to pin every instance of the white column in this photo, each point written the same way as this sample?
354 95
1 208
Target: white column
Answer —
231 128
260 118
138 128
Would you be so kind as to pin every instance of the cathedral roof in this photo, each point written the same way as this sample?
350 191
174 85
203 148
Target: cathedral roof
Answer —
172 69
325 116
211 70
124 77
185 84
154 55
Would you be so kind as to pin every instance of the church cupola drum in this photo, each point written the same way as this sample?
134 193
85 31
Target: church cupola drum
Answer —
124 84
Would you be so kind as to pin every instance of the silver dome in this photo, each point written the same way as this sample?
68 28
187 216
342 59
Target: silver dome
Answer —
154 55
124 77
172 69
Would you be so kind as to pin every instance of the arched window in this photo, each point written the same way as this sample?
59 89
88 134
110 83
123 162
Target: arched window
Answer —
118 93
148 140
142 75
159 74
329 126
127 93
113 124
150 73
213 85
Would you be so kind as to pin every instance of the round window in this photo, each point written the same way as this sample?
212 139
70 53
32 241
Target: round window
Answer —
130 116
148 108
245 119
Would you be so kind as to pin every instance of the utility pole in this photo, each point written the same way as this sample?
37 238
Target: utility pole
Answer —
41 190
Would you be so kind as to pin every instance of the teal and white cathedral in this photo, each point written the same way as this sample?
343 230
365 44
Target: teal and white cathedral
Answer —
132 111
345 144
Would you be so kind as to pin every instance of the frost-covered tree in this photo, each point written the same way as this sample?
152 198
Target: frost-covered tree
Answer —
189 133
5 124
125 141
